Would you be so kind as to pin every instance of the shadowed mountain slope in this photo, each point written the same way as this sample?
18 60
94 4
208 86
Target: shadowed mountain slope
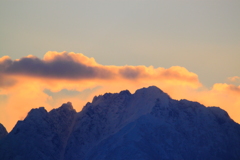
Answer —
146 125
3 131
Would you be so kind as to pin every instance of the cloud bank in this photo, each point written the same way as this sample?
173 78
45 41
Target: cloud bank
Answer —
24 81
71 66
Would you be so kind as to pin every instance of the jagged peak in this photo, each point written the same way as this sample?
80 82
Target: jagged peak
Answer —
37 112
100 98
67 105
97 98
125 92
150 89
65 109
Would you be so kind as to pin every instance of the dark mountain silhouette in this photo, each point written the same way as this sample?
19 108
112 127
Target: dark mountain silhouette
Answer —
146 125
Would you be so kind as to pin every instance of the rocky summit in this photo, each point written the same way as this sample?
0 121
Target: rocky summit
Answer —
146 125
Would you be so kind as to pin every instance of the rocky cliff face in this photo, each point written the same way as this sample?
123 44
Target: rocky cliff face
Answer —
145 125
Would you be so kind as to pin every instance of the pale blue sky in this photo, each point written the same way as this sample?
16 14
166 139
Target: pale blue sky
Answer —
200 35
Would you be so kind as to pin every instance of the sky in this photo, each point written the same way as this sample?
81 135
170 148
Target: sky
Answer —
56 51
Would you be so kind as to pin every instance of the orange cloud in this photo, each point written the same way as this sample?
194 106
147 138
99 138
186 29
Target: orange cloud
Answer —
24 81
52 56
234 79
226 87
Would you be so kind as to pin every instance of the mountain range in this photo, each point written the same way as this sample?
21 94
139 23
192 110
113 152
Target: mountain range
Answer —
146 125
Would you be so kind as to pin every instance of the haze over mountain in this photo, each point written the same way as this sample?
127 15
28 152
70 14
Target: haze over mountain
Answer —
145 125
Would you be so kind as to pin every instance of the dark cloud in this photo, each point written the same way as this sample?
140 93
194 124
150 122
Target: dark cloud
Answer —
130 72
73 66
58 68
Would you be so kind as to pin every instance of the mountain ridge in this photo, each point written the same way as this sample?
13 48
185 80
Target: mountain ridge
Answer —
3 131
147 124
